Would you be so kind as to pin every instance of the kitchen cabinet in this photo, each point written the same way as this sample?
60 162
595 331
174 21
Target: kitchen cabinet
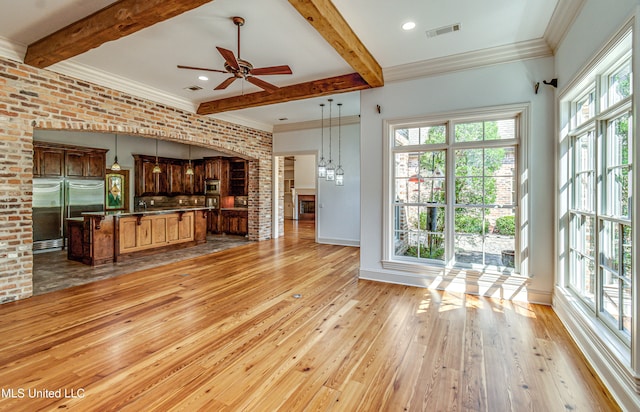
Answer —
58 160
95 162
177 177
238 177
91 240
75 244
148 183
194 184
213 221
235 222
217 168
172 179
85 163
48 162
74 163
137 233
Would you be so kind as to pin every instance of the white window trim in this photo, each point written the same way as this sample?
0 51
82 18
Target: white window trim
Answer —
521 110
616 364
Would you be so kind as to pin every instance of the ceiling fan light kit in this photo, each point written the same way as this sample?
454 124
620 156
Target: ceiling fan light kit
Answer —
239 68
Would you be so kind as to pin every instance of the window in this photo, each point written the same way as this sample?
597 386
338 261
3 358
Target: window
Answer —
600 227
453 191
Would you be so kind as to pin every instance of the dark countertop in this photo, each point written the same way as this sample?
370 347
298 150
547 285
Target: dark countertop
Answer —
239 209
156 211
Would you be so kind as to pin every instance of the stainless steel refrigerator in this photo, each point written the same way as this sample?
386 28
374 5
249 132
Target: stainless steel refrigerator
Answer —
54 200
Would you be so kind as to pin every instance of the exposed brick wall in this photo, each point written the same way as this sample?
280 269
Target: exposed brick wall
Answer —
32 98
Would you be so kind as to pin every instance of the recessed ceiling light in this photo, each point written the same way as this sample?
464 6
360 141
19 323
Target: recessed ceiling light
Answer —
409 26
203 78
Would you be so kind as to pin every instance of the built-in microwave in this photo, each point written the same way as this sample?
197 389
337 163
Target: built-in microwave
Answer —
211 187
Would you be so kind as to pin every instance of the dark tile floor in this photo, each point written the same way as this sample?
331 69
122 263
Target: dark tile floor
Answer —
53 271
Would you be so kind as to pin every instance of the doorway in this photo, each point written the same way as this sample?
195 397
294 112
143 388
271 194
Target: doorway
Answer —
299 193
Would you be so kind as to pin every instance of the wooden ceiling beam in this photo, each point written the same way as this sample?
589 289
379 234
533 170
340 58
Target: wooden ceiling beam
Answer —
328 21
111 23
339 84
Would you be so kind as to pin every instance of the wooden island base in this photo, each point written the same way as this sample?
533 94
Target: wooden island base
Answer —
107 238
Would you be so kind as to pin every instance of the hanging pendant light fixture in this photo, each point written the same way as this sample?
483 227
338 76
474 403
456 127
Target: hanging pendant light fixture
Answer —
339 170
322 165
189 171
116 166
156 168
331 169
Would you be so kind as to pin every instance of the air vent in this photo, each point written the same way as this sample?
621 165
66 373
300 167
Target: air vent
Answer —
193 88
444 30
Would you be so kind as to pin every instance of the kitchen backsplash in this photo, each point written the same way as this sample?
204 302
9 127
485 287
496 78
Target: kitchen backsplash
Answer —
168 201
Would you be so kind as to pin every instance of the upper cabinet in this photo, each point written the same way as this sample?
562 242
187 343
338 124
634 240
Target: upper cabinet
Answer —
172 179
57 160
48 162
231 172
238 182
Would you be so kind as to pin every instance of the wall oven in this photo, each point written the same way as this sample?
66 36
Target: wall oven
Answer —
211 187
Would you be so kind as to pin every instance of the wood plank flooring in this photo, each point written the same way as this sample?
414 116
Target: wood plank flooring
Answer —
224 332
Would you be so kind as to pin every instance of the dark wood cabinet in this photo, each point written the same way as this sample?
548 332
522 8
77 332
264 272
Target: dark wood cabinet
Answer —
95 162
177 178
238 177
74 163
235 222
198 177
58 160
145 179
48 161
213 221
75 243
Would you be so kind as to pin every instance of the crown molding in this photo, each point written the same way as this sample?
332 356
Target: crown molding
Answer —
314 124
12 50
530 49
243 121
122 84
561 20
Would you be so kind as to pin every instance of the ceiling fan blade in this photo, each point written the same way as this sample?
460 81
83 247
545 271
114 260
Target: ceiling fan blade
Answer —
261 71
201 68
262 84
229 57
225 83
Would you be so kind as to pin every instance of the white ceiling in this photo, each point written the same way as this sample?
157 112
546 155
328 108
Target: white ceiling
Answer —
144 63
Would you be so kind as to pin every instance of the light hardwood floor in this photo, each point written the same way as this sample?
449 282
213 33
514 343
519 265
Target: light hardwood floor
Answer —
224 332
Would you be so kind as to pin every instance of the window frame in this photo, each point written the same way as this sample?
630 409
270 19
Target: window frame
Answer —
597 78
522 201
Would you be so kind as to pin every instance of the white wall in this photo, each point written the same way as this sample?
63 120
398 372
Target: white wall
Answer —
127 145
489 86
304 172
338 208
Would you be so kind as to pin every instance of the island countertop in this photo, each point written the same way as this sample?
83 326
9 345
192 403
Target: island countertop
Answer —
156 211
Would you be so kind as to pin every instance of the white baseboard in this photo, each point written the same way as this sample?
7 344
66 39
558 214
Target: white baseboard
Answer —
339 242
482 285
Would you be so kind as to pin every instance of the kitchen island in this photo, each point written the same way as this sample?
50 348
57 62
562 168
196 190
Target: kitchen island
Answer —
107 237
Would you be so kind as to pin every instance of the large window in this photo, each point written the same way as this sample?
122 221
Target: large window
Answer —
453 198
600 166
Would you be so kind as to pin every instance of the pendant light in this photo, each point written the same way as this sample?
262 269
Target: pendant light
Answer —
339 170
156 168
116 166
189 171
331 169
322 165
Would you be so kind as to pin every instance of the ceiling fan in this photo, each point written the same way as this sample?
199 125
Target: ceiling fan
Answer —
242 69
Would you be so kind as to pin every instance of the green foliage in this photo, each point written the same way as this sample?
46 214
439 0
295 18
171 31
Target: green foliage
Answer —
426 252
505 225
467 223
